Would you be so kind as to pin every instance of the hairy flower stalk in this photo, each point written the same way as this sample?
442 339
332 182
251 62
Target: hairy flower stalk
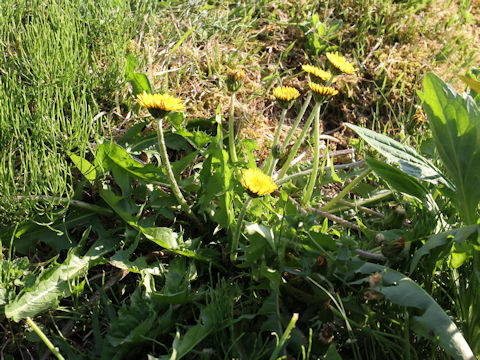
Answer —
297 121
320 94
238 229
256 184
231 130
316 155
234 83
271 162
171 178
44 338
296 146
285 96
159 105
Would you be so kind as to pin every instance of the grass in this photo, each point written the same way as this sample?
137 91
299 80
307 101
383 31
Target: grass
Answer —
145 281
60 75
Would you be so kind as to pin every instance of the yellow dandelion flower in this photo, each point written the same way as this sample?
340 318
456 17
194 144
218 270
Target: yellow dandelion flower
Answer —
160 104
257 183
285 93
322 90
285 96
340 63
317 73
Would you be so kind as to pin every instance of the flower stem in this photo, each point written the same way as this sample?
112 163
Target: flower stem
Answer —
44 338
316 156
299 118
171 178
231 130
270 162
297 144
347 188
284 337
236 234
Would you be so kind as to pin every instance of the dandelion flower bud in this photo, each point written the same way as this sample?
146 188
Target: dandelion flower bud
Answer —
235 79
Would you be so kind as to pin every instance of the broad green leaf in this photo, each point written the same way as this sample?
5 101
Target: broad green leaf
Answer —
439 245
431 322
208 322
397 179
165 237
177 141
262 230
411 162
140 82
333 174
85 167
120 157
332 353
176 119
177 289
121 260
216 177
320 238
180 165
133 322
27 235
455 123
56 283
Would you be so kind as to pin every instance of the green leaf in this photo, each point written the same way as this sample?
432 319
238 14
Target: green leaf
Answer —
165 237
56 283
216 178
85 167
411 162
334 175
121 260
262 230
320 238
180 165
440 245
55 236
455 123
133 322
397 179
139 82
332 353
117 155
176 119
182 39
472 83
209 321
432 322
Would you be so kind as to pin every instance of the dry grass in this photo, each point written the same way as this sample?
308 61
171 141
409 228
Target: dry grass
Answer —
390 70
